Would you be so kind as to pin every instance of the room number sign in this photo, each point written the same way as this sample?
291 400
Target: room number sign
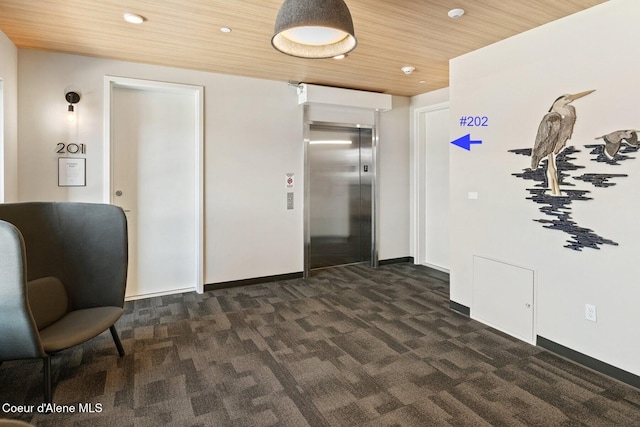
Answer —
73 148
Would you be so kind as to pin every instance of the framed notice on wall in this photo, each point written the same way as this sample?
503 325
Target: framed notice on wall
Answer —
71 172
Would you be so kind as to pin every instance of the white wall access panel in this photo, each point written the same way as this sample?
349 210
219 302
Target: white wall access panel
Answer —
503 297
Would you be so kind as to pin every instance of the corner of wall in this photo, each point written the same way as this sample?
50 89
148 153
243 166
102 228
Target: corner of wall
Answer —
580 246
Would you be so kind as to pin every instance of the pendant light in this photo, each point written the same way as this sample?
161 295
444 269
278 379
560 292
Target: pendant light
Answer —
314 29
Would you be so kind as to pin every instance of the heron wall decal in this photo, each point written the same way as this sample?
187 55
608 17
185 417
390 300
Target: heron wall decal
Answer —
554 131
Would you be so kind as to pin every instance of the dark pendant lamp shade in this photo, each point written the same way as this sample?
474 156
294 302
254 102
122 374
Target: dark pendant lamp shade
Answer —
314 29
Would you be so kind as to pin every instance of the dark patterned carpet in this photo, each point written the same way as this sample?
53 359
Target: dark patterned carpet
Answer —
351 346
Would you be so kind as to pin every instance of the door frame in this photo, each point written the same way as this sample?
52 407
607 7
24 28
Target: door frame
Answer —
418 223
307 187
112 82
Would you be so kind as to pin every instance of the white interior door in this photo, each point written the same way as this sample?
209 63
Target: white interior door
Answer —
155 178
430 219
437 189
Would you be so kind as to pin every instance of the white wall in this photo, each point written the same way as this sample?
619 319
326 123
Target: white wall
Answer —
513 83
430 98
9 117
253 137
393 181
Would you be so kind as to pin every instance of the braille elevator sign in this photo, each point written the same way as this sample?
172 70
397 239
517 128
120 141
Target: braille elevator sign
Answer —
289 180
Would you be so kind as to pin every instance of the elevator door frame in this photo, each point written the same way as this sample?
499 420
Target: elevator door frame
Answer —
307 187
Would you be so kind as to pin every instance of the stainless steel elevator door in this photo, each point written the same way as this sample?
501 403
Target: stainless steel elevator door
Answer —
340 161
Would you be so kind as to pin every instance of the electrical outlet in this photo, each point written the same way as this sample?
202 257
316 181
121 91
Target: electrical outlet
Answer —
590 312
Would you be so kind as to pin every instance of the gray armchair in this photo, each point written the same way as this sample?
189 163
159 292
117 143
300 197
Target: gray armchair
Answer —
63 270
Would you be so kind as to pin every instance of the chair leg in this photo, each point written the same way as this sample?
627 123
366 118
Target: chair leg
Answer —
47 379
116 340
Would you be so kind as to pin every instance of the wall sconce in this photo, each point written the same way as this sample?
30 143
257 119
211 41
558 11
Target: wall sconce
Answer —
72 98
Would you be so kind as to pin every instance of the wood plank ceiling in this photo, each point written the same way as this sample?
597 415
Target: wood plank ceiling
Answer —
186 34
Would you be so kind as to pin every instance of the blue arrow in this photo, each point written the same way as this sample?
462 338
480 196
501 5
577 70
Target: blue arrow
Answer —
465 142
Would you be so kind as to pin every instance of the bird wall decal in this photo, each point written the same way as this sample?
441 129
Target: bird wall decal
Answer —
554 131
563 168
613 140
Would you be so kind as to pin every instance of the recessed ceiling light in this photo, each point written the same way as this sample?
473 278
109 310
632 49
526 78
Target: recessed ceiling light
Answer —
455 13
408 69
225 29
132 18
